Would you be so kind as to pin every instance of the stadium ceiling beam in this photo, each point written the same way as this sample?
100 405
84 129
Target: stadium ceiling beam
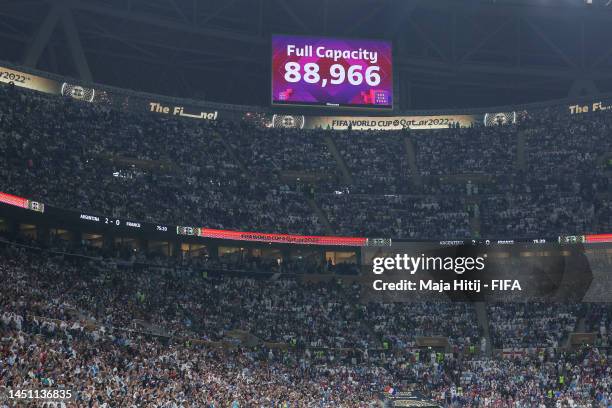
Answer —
485 40
15 4
143 18
406 7
11 27
179 11
94 30
217 12
581 87
13 37
164 62
426 38
543 9
145 46
603 57
260 18
475 84
444 68
59 12
325 17
204 66
284 4
364 18
550 43
42 36
75 46
104 33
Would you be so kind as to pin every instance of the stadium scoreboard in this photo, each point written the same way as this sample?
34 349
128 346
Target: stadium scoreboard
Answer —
330 72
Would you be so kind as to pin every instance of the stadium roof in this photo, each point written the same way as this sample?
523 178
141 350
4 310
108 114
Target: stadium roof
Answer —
448 53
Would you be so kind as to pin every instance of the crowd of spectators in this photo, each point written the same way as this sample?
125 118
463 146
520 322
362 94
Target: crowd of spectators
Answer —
99 327
92 158
266 152
124 329
378 161
414 217
599 320
563 184
543 176
531 325
118 369
121 369
556 379
472 151
456 321
194 302
203 300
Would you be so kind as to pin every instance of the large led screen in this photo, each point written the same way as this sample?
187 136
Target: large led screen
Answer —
331 72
